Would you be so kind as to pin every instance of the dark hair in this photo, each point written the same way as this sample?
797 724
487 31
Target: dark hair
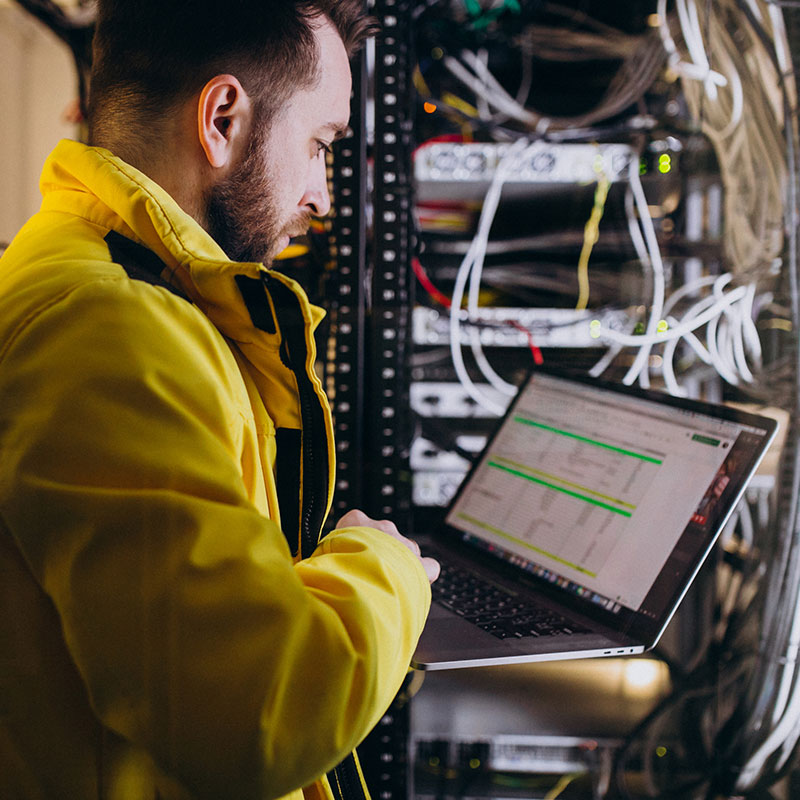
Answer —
150 54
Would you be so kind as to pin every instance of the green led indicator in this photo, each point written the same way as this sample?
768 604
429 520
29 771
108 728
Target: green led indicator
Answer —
642 167
663 326
664 163
595 328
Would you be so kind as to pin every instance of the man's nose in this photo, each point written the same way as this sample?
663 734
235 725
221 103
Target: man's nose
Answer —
316 197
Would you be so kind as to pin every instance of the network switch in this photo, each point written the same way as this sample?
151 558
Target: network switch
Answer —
450 400
521 754
518 327
465 167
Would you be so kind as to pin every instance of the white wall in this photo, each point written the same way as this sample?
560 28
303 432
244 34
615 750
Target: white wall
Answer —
37 84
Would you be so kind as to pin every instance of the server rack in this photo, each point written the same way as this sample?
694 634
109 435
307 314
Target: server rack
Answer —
372 311
370 301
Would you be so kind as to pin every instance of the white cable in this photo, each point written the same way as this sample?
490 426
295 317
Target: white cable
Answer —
664 32
717 358
605 362
668 369
512 157
779 39
787 748
731 325
715 336
639 245
749 329
784 734
688 288
728 316
669 356
737 335
515 154
455 347
699 348
782 700
742 311
482 103
693 313
634 230
737 109
455 350
484 74
690 28
699 68
726 537
746 527
501 101
755 8
475 255
657 266
493 87
790 704
726 324
680 330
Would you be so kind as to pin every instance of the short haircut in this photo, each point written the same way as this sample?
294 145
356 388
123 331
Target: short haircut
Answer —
149 55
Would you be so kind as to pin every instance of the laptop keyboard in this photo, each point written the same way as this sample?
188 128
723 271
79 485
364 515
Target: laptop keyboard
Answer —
495 610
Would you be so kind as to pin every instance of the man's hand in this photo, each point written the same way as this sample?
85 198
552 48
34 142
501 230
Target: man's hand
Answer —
359 518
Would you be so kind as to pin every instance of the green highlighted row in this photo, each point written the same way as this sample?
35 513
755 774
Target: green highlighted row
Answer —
594 442
562 482
528 545
622 512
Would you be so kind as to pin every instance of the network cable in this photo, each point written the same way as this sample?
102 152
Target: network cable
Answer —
470 269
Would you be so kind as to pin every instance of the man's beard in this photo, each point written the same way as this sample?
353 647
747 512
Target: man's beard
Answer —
241 214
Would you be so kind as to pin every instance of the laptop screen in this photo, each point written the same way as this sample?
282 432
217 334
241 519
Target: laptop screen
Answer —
610 493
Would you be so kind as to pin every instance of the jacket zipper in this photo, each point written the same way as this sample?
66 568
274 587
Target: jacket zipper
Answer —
344 781
293 353
308 539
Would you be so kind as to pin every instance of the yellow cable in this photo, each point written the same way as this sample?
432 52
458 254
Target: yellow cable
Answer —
562 784
591 233
460 105
419 82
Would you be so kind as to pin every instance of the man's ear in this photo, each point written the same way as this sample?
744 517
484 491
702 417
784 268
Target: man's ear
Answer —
223 118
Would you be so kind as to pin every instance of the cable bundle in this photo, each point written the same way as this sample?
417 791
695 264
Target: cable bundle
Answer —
724 65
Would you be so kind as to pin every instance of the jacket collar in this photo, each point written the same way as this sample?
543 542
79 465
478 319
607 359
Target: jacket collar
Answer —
95 184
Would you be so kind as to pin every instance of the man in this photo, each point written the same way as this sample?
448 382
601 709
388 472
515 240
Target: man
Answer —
171 627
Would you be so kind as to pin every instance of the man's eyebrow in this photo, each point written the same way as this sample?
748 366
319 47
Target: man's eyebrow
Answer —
340 130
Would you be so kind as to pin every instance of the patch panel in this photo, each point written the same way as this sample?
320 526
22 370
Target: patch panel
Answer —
469 163
450 400
435 488
426 455
509 327
520 754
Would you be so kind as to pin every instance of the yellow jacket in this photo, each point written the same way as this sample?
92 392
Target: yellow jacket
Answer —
162 633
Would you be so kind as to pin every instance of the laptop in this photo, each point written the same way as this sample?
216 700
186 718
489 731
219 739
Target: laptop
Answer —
583 522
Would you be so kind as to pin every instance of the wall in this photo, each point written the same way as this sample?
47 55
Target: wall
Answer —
37 84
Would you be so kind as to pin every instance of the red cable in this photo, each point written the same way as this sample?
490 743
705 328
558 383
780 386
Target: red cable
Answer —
423 278
444 300
538 358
